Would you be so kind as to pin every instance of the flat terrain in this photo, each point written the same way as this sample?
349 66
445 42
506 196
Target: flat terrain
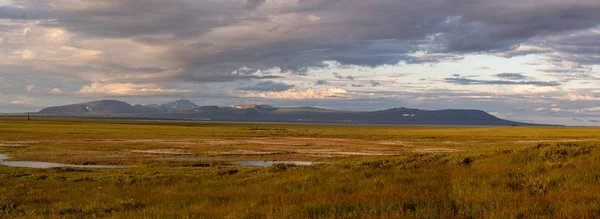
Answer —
188 169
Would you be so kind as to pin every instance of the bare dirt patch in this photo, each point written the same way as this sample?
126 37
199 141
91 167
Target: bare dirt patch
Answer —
398 143
434 150
248 152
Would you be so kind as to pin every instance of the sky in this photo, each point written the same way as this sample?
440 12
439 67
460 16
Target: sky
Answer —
532 61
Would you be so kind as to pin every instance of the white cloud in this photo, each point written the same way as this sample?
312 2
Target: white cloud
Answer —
591 109
578 97
22 100
297 94
56 91
313 18
30 88
126 89
524 50
26 32
25 54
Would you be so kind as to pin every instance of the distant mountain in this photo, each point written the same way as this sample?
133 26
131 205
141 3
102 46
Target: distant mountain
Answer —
99 108
186 110
180 105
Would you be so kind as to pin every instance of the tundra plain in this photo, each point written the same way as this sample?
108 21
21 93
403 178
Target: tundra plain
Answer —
177 169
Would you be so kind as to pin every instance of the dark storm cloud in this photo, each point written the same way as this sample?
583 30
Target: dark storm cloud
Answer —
268 86
511 76
467 81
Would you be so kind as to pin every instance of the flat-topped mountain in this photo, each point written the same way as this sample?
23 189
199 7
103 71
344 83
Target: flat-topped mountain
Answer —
187 110
180 105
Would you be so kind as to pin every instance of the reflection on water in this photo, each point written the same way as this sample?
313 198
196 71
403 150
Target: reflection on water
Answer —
269 163
44 165
241 163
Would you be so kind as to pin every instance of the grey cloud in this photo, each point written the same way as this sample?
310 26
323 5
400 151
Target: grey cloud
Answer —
254 3
375 83
366 33
581 47
213 78
337 75
321 82
433 58
511 76
115 18
371 61
358 85
500 24
341 77
268 86
467 81
10 12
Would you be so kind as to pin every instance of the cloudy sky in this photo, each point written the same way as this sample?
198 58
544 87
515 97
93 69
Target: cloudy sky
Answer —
534 61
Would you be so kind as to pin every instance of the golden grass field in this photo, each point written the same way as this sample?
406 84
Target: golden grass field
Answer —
187 170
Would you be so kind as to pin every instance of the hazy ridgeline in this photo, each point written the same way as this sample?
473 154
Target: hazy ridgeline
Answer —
366 172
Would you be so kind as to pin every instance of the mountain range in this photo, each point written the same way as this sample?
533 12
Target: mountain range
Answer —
187 110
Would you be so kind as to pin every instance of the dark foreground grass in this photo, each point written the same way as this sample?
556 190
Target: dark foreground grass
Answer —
552 179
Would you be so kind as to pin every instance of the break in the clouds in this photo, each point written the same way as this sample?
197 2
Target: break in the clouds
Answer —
356 54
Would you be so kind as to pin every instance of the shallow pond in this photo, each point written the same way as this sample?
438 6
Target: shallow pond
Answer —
270 163
241 163
45 165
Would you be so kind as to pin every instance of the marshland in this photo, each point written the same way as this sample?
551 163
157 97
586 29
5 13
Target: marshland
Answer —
194 170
